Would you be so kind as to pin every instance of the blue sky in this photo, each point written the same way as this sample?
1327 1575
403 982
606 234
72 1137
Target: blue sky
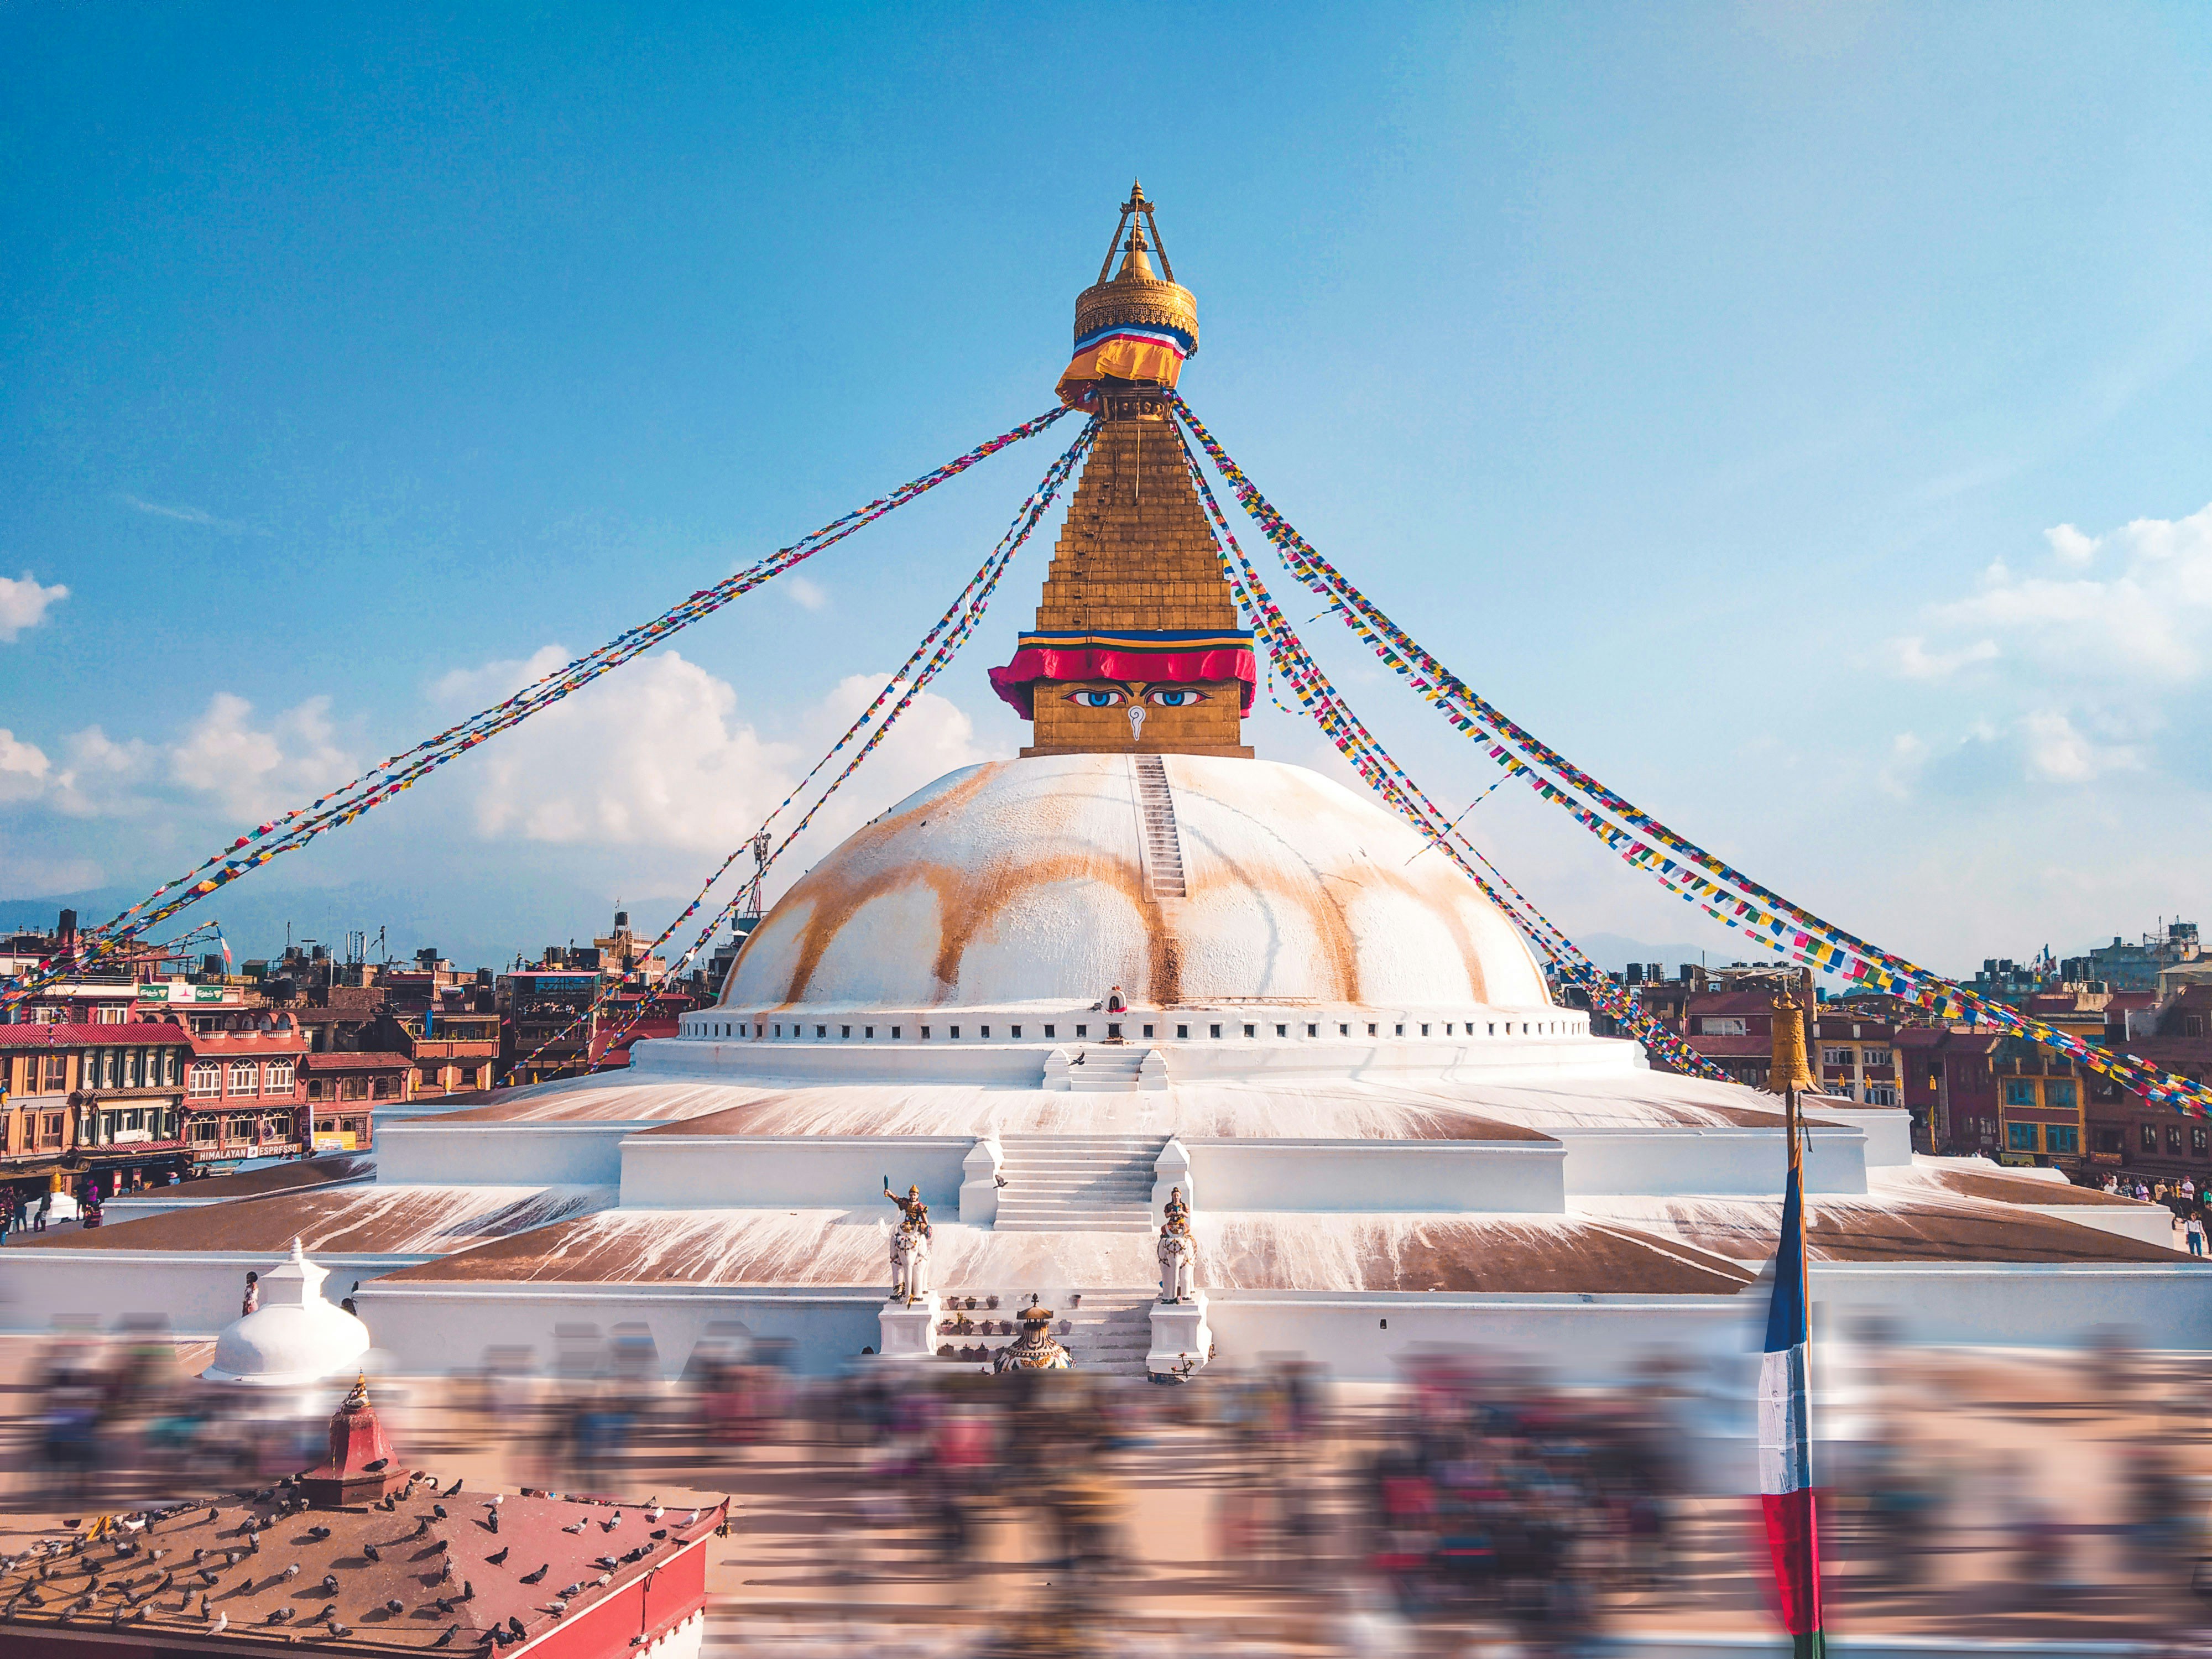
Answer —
1795 413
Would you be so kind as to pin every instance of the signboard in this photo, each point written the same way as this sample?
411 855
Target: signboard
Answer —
343 1141
2018 1160
562 984
175 992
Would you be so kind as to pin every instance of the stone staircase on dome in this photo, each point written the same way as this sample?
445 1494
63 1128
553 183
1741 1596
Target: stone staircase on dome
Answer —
1105 1332
1163 842
1076 1183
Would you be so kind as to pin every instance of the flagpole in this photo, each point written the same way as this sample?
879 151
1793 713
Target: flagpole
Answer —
1785 1436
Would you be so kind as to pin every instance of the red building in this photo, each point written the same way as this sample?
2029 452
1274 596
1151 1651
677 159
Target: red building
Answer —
1950 1086
2131 1133
344 1089
246 1095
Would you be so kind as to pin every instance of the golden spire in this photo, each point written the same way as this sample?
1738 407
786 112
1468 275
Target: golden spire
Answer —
1135 296
1790 1069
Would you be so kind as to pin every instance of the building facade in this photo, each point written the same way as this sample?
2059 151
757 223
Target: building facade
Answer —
98 1103
246 1096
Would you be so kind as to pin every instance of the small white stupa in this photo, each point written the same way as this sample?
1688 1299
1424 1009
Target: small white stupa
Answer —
295 1338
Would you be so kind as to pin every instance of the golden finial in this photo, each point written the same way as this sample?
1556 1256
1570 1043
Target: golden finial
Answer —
1136 295
1790 1069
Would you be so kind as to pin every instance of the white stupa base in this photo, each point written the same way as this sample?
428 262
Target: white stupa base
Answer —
1182 1342
908 1329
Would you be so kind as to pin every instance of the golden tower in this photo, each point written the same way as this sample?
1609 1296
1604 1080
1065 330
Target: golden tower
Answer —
1136 646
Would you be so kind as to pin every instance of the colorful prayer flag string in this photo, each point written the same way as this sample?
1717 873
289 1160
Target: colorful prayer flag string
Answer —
1320 698
1717 887
929 659
340 806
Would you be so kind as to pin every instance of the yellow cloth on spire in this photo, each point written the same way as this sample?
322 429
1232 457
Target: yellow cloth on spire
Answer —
1121 357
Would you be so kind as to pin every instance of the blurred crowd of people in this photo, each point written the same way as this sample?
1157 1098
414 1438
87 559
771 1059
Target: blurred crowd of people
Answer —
1474 1494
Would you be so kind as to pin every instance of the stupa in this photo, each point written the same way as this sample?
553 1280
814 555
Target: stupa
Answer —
1048 992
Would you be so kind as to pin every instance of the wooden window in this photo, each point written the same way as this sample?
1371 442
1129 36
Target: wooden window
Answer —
245 1076
278 1079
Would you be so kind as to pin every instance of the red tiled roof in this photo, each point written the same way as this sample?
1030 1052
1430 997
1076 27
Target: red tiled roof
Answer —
551 1551
342 1060
82 1036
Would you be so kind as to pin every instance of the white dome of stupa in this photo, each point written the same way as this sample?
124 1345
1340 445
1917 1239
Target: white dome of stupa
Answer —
296 1337
1182 878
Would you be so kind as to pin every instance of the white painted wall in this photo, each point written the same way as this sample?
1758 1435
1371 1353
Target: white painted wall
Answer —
430 1154
198 1293
447 1328
1707 1163
1581 1338
2031 1304
1366 1175
671 1171
1889 1131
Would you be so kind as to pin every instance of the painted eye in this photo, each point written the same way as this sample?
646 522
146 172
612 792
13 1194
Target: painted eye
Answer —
1087 698
1174 697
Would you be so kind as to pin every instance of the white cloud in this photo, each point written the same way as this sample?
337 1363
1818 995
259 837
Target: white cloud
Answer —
2071 546
807 595
2057 753
2134 605
191 515
95 779
465 690
24 768
658 756
24 604
1916 662
252 771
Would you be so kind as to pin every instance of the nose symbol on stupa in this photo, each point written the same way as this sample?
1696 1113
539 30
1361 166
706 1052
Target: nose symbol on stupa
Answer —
1136 722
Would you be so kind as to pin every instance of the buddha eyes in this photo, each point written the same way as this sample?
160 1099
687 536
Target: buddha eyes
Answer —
1160 697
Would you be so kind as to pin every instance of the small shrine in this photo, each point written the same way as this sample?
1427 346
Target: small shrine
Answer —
1035 1349
362 1468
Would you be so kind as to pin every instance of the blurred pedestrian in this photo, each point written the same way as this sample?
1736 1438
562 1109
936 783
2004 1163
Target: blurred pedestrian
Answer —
45 1209
2194 1230
253 1300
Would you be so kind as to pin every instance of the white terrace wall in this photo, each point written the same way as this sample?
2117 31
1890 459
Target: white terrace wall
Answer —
663 1171
435 1154
1368 1175
1707 1163
443 1327
197 1292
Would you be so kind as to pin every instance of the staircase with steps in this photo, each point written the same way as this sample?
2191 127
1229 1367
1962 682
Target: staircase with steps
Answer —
1102 1068
1078 1183
1163 842
1108 1331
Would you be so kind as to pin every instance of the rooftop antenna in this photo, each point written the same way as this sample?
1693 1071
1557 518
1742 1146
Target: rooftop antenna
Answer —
761 843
